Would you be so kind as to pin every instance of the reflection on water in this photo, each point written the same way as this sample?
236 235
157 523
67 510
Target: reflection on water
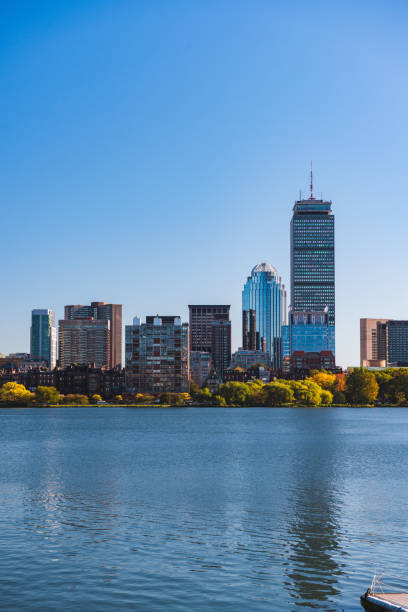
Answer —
247 509
315 553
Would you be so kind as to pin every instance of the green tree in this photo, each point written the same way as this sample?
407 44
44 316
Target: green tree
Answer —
338 398
174 399
47 396
384 380
398 386
307 392
76 399
326 397
400 398
256 397
361 387
202 395
277 394
15 394
144 398
236 393
220 400
118 398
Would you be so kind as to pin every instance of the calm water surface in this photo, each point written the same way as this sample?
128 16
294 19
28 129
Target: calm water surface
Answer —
200 509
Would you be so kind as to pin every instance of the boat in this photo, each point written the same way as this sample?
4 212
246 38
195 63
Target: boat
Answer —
375 600
378 602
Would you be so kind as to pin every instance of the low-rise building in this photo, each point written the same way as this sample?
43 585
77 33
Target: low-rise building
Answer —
82 379
301 363
247 358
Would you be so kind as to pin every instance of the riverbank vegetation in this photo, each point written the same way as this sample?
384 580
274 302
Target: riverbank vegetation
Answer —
358 387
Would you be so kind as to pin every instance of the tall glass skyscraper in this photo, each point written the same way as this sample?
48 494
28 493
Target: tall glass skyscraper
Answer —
264 312
43 336
312 258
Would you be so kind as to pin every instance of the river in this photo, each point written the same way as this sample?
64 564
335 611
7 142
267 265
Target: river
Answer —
197 509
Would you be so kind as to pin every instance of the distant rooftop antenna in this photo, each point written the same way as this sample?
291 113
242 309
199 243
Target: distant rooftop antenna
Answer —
300 195
311 181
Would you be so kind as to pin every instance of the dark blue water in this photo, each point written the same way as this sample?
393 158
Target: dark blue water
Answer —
200 509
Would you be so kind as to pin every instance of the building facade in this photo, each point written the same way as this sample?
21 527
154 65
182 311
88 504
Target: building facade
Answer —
200 367
264 312
300 363
250 337
392 342
221 345
84 341
43 336
312 258
247 358
201 318
369 342
157 355
83 379
102 311
310 331
210 332
88 380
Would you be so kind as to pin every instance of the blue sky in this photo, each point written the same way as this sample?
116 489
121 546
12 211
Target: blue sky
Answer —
151 152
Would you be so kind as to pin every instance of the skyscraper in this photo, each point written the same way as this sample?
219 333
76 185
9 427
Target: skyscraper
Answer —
312 257
210 331
84 341
221 345
102 311
43 336
201 318
264 312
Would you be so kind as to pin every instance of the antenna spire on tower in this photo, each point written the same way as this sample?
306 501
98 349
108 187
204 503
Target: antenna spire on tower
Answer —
311 181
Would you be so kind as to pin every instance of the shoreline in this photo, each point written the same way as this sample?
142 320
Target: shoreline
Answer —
55 406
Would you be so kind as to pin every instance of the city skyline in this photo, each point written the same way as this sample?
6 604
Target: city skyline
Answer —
176 140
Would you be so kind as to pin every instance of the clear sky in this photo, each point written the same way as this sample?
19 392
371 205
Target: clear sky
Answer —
151 152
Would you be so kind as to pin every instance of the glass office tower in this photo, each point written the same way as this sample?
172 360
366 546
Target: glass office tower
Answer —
43 336
310 332
264 308
312 259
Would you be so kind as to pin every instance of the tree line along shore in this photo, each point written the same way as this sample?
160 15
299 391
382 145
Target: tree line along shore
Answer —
358 387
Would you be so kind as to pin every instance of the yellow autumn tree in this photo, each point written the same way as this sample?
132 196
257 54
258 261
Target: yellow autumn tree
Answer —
14 394
324 380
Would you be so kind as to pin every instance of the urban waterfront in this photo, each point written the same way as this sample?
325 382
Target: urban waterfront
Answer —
199 509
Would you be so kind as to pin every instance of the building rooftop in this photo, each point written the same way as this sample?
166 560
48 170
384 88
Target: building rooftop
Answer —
313 206
264 267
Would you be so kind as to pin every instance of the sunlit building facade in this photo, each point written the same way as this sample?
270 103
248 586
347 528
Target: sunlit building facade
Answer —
312 259
157 355
370 337
102 311
83 342
264 312
310 331
392 338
